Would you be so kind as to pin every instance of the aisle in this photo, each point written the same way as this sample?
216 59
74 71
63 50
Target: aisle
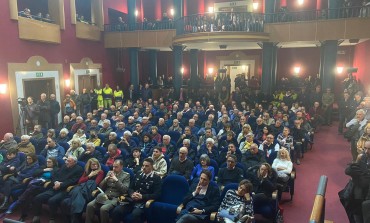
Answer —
329 157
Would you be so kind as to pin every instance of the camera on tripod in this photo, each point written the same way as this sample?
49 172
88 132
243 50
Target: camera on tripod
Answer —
22 102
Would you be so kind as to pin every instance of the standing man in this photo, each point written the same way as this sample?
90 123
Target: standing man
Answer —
147 186
85 102
54 111
31 112
44 105
344 110
107 96
99 93
147 92
118 95
327 105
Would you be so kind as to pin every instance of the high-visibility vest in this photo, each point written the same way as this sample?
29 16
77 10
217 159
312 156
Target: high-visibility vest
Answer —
118 95
107 93
99 93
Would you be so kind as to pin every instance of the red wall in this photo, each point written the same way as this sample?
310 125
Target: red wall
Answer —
71 50
361 60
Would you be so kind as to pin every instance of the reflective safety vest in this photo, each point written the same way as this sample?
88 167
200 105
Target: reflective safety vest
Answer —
118 95
100 94
107 93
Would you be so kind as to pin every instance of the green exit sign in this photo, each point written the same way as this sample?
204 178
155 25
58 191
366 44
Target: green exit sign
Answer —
39 74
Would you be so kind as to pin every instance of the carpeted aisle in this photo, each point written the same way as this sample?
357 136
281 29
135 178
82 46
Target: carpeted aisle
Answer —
329 157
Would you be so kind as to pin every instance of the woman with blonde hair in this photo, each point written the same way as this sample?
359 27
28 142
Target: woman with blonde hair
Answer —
75 149
243 134
363 138
80 195
283 165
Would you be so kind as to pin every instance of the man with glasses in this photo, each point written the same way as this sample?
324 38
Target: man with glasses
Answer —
114 184
52 149
66 176
181 165
230 173
147 186
270 147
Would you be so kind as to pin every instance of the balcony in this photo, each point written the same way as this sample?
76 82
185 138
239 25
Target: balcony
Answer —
88 31
40 31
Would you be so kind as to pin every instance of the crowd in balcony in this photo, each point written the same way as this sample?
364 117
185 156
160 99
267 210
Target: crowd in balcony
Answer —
39 16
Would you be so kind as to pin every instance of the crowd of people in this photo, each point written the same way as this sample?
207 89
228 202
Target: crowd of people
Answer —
254 143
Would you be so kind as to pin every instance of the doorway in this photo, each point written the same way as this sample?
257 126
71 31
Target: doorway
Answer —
35 87
86 81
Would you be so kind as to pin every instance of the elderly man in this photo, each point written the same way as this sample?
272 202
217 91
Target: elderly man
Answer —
78 125
121 129
357 124
147 186
231 150
8 142
116 183
65 123
202 200
66 176
127 143
253 156
187 135
175 126
106 129
25 146
112 139
54 111
112 155
162 125
32 112
210 149
167 147
52 149
181 165
103 117
90 152
44 106
37 134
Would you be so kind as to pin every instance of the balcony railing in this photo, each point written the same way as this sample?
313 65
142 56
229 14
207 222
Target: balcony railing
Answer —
222 21
324 14
240 21
156 25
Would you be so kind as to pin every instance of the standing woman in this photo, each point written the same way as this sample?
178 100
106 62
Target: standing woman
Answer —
80 195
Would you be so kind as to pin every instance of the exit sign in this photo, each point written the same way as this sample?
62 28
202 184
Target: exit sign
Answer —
39 74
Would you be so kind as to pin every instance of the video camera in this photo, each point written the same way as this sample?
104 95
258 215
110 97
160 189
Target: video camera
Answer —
22 101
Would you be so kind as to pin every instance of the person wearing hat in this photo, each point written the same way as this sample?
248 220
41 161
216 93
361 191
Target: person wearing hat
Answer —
114 184
147 186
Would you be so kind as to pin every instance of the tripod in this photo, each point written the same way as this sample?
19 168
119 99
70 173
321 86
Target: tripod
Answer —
21 126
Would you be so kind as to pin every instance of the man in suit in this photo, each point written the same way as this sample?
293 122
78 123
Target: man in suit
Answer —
201 202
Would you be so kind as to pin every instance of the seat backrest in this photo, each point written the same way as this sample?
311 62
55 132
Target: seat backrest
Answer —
65 145
101 149
61 162
215 166
42 160
174 135
22 156
129 171
81 164
17 139
105 168
174 189
231 186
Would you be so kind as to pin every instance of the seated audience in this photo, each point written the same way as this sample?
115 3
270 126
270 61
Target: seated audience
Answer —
94 138
202 200
147 185
159 162
112 139
237 205
116 183
25 146
181 165
204 164
283 165
78 125
52 149
230 173
253 157
63 136
112 155
90 153
8 142
66 123
75 149
167 147
66 176
231 150
135 160
80 135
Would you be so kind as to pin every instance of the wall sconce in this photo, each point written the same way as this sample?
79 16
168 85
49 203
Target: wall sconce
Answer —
68 83
297 70
182 70
210 70
300 2
136 12
210 9
172 12
3 88
340 70
255 6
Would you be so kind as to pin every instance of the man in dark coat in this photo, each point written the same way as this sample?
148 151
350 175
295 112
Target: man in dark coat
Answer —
202 200
44 105
54 111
